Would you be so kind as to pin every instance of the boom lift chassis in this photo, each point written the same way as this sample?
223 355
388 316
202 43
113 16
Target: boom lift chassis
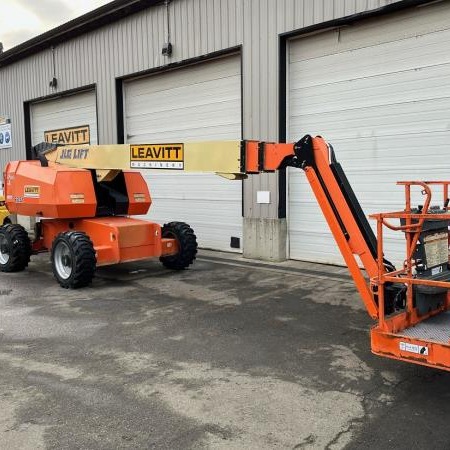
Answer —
91 194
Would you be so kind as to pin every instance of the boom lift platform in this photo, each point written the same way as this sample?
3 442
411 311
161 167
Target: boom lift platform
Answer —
84 196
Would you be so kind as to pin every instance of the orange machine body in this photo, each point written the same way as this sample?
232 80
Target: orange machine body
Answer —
68 199
116 239
63 192
54 191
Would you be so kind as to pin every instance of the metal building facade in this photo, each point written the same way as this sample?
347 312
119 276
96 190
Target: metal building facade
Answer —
100 58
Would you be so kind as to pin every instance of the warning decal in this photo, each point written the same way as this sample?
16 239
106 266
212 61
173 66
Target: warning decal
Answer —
139 198
157 156
32 191
77 198
436 249
413 348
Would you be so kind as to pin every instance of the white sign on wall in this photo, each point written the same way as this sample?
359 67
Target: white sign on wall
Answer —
263 197
5 136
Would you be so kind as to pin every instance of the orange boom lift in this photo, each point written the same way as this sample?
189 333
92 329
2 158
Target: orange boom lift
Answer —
84 197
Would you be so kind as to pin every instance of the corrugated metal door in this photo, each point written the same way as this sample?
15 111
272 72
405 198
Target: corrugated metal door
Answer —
380 93
64 112
200 102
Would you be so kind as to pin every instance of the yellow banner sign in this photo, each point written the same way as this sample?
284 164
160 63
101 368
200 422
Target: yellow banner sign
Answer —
69 136
157 156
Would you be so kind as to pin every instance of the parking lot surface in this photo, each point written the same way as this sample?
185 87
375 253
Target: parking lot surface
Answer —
231 354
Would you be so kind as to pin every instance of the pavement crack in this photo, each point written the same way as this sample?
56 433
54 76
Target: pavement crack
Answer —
309 440
352 424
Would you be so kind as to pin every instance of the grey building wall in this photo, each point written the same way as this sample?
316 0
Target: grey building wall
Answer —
199 27
264 21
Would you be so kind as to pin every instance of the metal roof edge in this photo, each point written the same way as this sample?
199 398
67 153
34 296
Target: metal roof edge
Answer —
106 14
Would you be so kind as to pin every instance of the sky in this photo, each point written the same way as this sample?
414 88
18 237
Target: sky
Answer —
21 20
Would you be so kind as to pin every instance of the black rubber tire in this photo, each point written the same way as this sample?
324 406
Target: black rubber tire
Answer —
187 243
18 246
82 256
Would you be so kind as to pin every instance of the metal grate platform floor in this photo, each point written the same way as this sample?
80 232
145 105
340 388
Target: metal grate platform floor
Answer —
435 328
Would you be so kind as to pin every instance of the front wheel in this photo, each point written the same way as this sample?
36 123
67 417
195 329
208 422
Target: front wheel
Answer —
187 245
73 259
15 248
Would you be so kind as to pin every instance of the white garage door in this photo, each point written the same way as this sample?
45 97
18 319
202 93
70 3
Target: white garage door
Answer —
63 113
380 93
201 102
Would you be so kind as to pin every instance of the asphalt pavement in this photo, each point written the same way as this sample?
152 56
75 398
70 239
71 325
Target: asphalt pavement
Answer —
230 354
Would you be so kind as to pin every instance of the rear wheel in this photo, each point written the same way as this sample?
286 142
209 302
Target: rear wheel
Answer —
73 259
187 245
15 248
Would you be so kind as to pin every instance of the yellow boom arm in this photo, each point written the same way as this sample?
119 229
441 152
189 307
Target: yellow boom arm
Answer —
221 157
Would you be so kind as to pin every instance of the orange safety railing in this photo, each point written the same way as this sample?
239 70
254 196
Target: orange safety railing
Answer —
412 228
